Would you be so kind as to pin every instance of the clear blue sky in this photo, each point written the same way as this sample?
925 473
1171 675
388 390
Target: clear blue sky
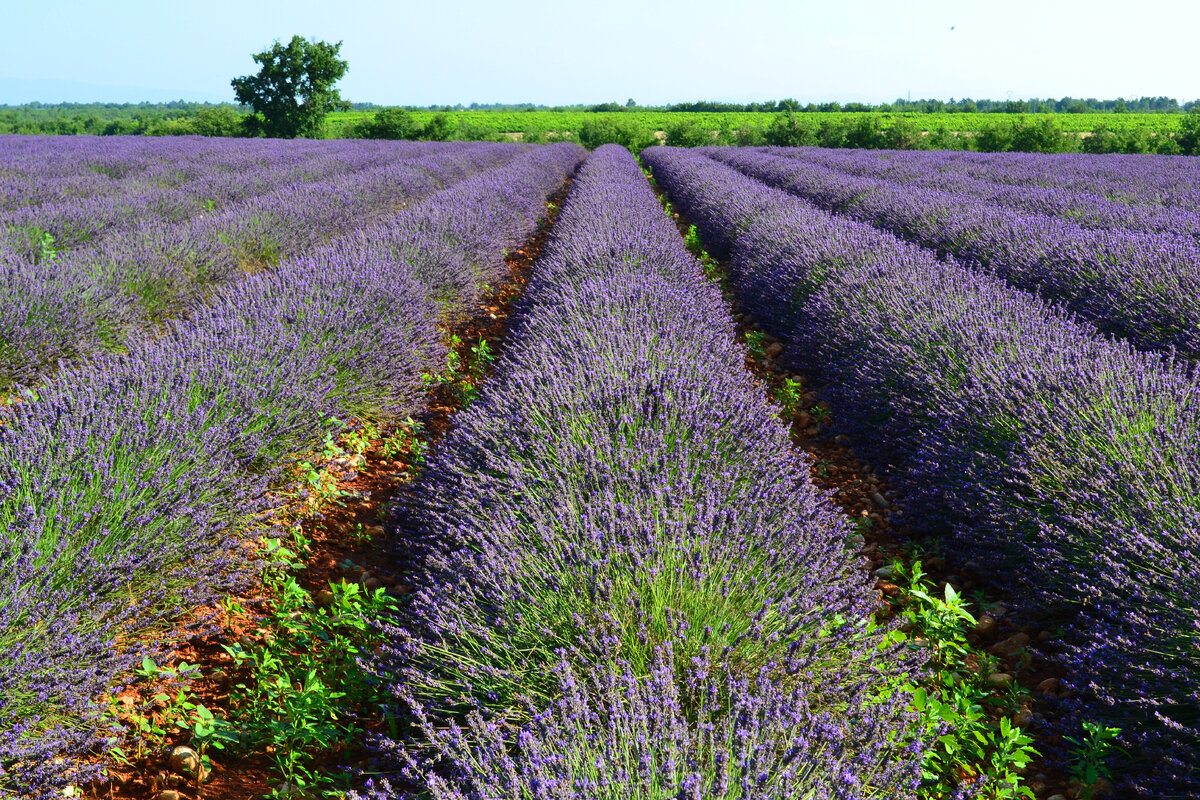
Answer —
654 51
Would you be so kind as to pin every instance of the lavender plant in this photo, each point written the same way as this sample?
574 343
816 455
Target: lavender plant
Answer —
617 732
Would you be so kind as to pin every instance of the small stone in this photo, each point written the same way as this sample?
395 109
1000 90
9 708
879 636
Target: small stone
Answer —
1049 686
879 500
1057 797
375 531
169 794
1000 679
220 677
247 641
1044 636
888 588
324 598
403 588
1009 646
1022 718
774 349
986 625
372 583
1103 787
841 439
887 572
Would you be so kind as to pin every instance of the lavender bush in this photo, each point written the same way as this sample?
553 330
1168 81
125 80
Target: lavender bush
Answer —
1063 463
621 499
619 733
125 479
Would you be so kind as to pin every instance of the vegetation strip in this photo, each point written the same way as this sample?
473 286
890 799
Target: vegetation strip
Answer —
158 457
1012 429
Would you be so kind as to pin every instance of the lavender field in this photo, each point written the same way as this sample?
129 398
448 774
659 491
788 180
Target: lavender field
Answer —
465 470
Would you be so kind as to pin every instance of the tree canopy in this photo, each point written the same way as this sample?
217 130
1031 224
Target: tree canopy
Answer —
293 91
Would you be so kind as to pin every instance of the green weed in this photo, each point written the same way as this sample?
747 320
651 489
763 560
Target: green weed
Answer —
1089 756
956 693
300 692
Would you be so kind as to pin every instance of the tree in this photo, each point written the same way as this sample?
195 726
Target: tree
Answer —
293 91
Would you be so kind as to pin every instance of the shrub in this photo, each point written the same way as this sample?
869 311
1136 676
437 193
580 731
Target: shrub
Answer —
438 129
789 130
607 130
688 133
389 123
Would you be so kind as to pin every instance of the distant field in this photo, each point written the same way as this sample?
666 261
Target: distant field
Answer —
562 121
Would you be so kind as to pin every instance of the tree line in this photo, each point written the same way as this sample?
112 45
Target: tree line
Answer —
295 89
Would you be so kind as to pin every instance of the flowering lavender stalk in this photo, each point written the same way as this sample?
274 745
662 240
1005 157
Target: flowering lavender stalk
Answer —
1063 463
621 487
125 479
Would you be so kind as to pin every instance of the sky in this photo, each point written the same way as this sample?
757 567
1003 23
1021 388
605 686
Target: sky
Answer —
654 51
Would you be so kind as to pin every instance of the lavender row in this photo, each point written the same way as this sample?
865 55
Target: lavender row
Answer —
54 169
989 183
127 479
1141 286
75 222
1152 182
95 300
626 569
1062 463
